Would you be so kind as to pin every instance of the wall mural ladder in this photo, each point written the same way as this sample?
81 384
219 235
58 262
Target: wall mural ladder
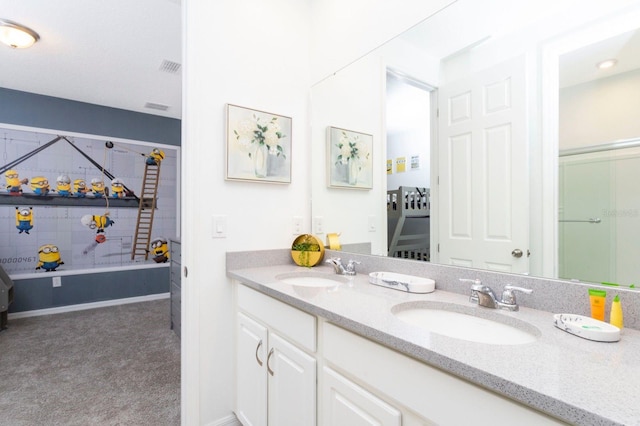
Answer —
146 209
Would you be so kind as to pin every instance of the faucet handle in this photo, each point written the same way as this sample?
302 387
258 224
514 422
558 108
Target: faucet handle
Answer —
508 295
477 285
351 267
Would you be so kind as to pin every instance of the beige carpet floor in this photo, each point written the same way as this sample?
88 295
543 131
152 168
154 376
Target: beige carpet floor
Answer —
109 366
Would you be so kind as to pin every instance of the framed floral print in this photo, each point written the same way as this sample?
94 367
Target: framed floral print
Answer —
349 159
258 146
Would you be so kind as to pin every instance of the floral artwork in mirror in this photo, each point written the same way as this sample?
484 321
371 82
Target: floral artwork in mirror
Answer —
258 146
349 159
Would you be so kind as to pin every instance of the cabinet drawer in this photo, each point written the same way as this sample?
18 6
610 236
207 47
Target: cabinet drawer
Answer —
291 322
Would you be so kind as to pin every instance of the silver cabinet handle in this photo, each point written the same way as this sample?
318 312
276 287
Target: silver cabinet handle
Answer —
516 253
268 358
258 349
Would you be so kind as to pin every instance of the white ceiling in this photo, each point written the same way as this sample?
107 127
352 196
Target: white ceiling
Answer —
102 52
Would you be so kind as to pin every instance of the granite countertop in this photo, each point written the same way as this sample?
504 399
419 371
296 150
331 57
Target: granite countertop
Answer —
576 380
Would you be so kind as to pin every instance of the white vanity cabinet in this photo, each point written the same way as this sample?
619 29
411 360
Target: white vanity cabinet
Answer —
282 352
275 371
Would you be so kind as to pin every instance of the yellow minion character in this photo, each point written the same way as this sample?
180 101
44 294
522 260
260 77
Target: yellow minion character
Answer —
160 250
97 222
80 188
24 219
117 188
97 187
40 185
49 258
156 156
63 185
14 183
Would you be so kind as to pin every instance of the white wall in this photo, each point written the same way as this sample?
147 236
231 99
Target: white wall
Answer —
351 99
251 53
345 31
408 133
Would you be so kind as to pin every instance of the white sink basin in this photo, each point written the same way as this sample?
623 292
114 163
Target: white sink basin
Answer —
311 279
472 324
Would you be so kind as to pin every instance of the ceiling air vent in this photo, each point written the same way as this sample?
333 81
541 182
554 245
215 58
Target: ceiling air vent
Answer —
159 107
170 67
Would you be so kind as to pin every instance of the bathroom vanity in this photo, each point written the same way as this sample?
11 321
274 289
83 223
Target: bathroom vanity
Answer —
338 352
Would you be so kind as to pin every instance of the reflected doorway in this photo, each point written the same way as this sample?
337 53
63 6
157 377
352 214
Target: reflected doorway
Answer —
409 128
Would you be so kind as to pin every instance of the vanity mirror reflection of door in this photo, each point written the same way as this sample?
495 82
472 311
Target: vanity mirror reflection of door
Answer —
409 128
483 184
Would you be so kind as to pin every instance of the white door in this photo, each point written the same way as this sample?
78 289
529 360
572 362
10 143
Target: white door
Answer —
483 200
347 404
292 384
251 396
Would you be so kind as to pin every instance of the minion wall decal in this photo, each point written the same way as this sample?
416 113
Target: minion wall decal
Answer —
80 188
40 185
97 222
97 188
24 219
117 188
63 186
13 182
160 250
49 258
155 157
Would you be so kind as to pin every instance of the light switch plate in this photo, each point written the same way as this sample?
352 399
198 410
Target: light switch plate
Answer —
57 281
372 224
297 225
219 227
318 225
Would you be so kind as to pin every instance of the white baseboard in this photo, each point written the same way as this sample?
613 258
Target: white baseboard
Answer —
83 306
230 420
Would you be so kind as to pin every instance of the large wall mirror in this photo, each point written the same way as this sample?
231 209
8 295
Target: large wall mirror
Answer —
499 141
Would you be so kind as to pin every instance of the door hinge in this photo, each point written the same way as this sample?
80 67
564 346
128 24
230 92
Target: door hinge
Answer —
438 248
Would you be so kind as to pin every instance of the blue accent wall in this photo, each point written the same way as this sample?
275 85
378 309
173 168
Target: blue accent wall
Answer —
29 109
32 110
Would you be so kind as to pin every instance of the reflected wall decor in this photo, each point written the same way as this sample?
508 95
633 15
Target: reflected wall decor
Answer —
258 146
349 159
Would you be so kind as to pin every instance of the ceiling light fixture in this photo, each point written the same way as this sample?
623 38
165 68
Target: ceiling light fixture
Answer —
609 63
16 35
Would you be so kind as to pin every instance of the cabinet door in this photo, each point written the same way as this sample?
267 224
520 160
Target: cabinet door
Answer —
292 385
251 373
345 403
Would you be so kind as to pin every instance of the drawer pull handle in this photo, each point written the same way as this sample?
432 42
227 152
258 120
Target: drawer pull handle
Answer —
268 358
257 350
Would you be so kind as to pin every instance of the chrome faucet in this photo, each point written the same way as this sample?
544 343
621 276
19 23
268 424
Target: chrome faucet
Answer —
340 269
484 296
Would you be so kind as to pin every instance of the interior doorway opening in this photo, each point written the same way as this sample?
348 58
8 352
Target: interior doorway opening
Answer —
409 128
